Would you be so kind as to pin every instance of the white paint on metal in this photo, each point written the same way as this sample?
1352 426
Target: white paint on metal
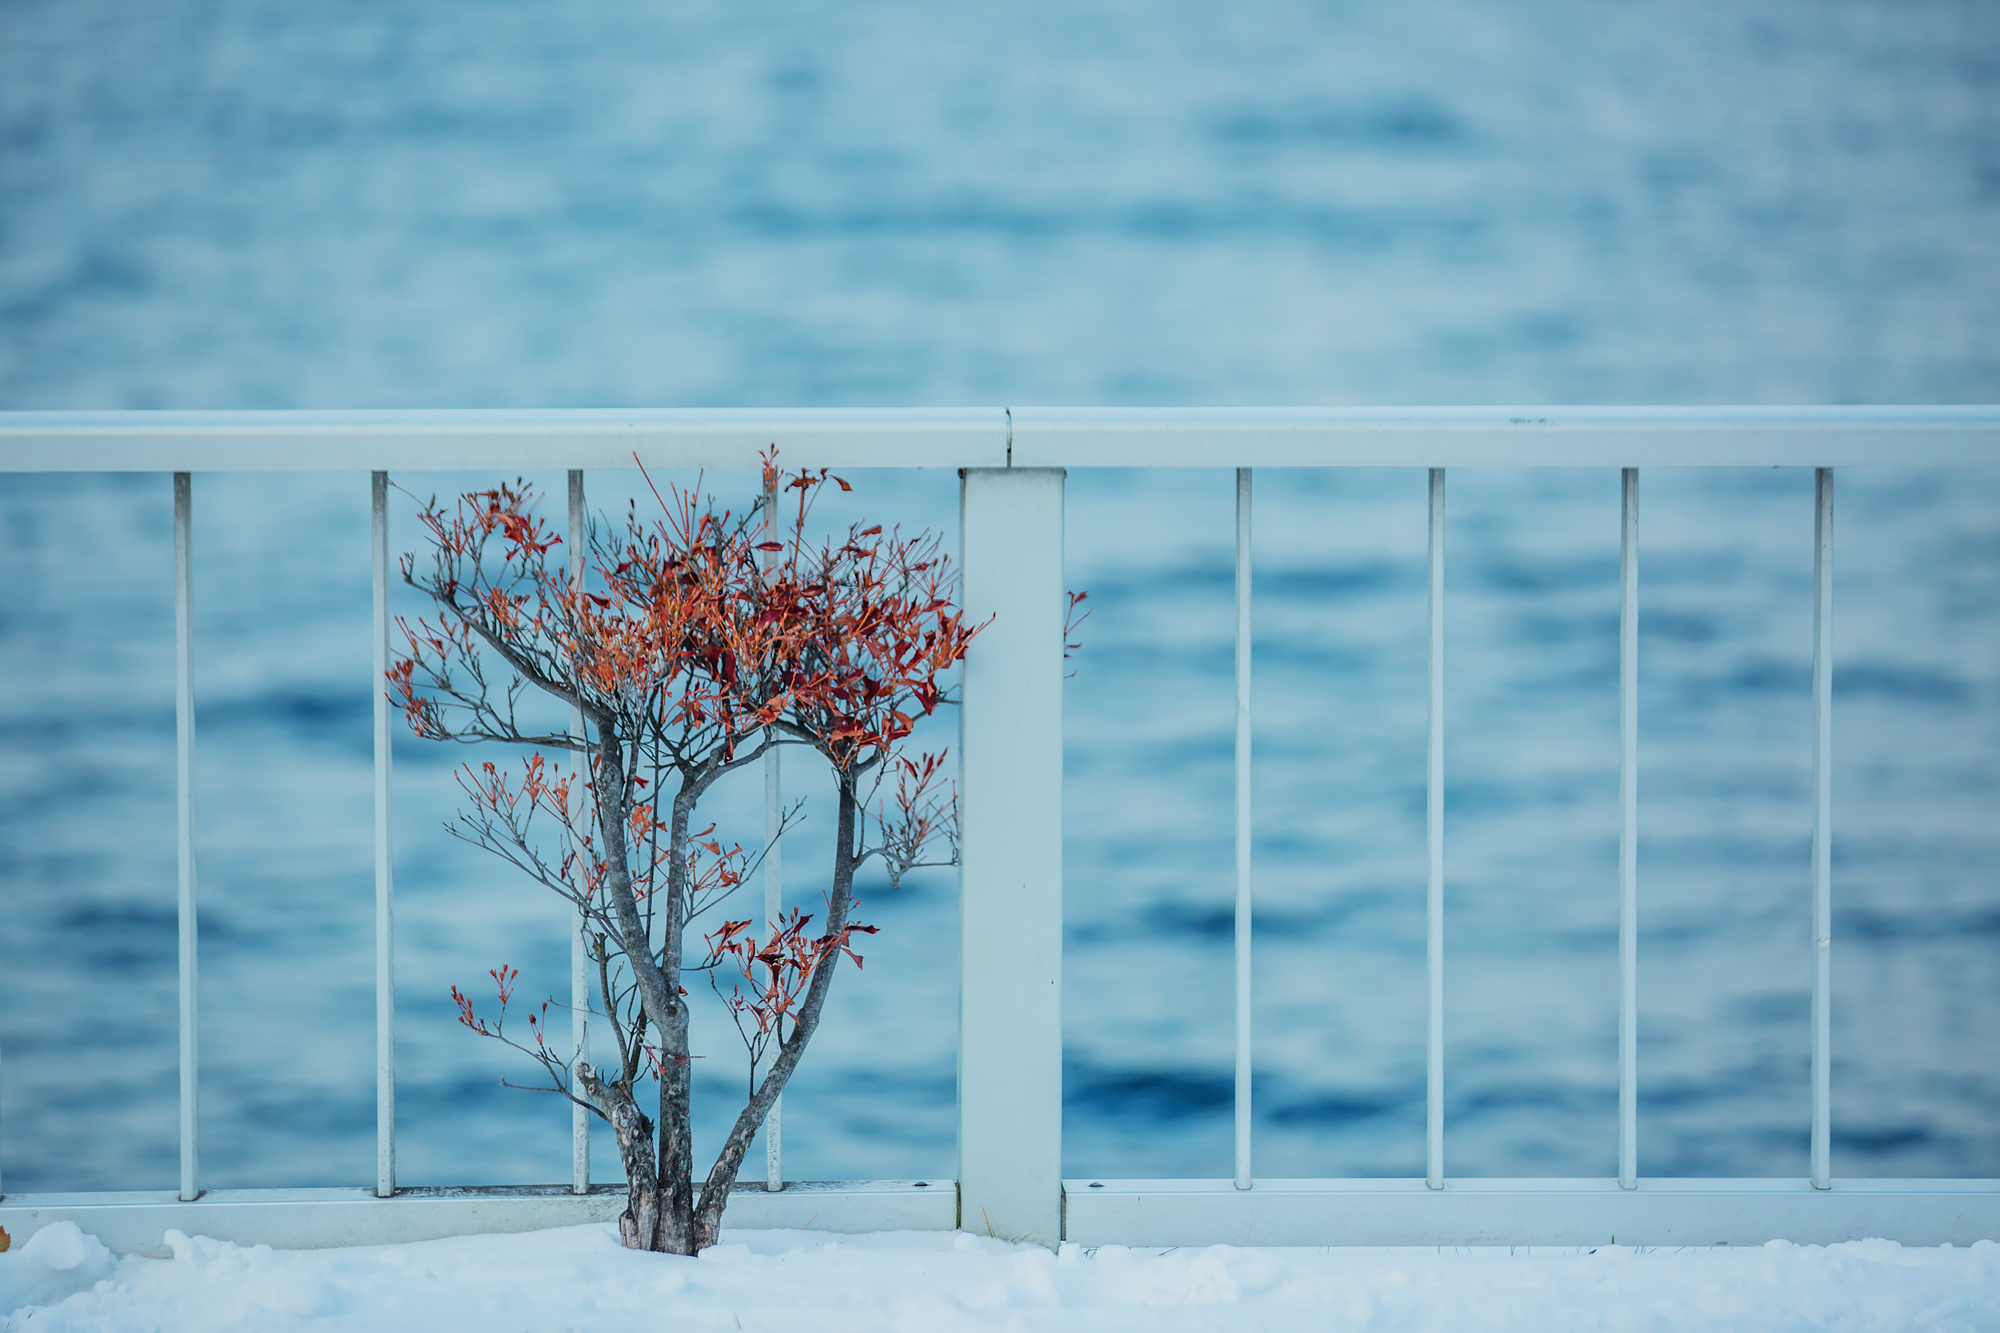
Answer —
1010 894
498 439
1243 918
579 946
1529 1212
1506 436
1822 849
1434 842
385 880
190 961
305 1219
774 875
1628 833
448 439
774 899
1011 905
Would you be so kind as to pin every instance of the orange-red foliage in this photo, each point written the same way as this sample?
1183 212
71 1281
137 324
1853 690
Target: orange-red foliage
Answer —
840 644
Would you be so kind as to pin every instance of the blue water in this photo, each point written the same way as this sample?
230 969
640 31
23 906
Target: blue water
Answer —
270 205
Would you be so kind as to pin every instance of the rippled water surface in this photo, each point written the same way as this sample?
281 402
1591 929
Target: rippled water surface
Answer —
441 204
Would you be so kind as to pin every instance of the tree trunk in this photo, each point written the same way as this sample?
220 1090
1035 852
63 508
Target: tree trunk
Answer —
715 1191
676 1178
639 1225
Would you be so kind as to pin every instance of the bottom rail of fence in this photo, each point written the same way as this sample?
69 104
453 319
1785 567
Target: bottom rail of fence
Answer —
1528 1212
310 1219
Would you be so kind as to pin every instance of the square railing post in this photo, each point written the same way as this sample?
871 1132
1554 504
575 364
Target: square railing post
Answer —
1010 879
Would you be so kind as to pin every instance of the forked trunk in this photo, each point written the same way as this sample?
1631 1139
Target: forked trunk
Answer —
639 1225
675 1180
715 1191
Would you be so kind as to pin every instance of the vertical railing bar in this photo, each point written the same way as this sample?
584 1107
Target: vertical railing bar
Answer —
1434 840
1822 995
385 881
184 828
1243 918
1628 833
774 891
579 947
774 879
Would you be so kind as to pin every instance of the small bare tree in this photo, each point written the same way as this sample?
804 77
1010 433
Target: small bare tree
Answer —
694 643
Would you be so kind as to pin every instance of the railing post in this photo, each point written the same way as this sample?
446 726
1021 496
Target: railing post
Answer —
190 960
1010 879
385 881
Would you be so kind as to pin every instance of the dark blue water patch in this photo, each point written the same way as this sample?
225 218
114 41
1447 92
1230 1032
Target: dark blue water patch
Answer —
1507 572
1562 676
1768 675
255 1103
1941 852
1334 1109
1483 798
54 870
941 1089
1582 942
1293 846
433 756
1738 780
81 784
342 719
1776 1008
1317 661
1402 125
1878 1140
1711 570
1916 925
1186 920
1163 856
1337 582
1186 755
1769 851
65 728
1168 920
1738 1151
1554 1095
1657 1096
1166 219
1133 588
130 939
221 929
1903 683
96 273
1150 1094
146 1033
1680 627
1555 629
442 1097
1149 660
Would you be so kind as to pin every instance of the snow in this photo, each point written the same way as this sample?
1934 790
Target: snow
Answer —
578 1277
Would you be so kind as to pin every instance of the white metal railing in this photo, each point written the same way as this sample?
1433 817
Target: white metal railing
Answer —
1010 1109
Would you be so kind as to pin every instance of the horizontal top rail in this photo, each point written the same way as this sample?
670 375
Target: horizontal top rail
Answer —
508 438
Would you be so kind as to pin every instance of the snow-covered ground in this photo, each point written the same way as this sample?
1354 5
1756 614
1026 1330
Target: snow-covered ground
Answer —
579 1278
